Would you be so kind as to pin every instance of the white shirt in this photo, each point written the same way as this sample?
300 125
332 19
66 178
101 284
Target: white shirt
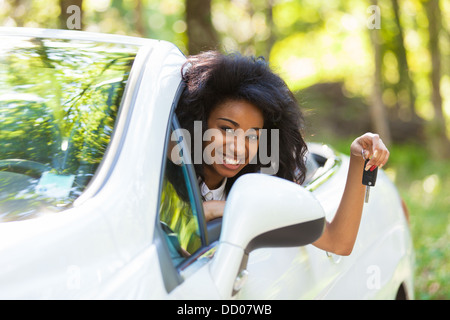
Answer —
216 194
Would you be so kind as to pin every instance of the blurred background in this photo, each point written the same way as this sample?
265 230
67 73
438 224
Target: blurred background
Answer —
354 65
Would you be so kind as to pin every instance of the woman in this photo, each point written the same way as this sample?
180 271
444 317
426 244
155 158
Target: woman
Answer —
240 98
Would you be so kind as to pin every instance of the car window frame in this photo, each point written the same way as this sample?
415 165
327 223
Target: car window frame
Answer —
193 184
171 274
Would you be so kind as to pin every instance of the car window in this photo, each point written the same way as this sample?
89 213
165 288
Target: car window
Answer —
180 215
59 100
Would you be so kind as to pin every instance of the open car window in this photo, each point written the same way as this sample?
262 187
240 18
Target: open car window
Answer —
180 211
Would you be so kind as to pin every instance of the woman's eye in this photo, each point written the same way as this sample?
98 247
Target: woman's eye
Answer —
228 129
253 137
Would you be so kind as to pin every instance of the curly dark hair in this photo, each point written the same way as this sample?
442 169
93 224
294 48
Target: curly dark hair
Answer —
212 78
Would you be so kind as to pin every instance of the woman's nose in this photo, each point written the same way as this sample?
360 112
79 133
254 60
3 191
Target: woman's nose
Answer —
237 146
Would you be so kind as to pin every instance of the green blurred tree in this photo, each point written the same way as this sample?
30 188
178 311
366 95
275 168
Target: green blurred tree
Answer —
438 128
377 108
71 12
200 30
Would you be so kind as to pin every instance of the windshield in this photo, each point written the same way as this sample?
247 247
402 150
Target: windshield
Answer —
58 104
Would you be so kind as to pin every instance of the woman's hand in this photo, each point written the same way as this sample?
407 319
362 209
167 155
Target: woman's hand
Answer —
213 209
372 147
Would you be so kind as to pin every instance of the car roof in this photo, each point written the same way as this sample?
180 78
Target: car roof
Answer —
76 35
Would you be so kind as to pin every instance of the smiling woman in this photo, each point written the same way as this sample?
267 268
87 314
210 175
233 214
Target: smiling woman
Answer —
247 105
231 93
58 105
233 155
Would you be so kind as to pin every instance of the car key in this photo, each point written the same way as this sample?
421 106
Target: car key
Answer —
369 178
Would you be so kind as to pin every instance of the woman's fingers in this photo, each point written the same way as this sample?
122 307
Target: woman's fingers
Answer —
370 146
379 155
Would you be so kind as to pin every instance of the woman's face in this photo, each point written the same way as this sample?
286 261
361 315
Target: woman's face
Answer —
237 125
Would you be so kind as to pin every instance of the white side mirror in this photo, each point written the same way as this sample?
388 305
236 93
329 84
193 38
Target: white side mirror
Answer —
263 211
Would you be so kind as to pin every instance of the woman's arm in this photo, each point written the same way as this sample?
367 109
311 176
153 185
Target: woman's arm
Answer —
340 234
213 209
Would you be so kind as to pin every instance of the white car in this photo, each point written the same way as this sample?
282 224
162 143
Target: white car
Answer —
91 208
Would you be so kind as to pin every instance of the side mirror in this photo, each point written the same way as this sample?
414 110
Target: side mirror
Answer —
263 211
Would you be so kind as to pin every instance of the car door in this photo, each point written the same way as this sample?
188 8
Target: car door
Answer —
186 248
304 272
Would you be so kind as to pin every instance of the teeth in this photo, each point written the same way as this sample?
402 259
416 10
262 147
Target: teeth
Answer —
231 161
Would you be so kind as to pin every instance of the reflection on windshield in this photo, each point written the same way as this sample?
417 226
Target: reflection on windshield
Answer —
58 104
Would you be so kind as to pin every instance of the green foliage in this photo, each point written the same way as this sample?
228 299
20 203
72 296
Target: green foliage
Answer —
178 215
424 183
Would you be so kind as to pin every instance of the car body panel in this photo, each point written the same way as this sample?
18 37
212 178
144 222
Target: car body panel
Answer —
328 276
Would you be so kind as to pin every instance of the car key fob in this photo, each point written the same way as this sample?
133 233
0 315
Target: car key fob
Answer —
369 176
369 179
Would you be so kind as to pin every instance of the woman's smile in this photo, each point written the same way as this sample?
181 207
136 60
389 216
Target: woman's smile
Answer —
231 163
